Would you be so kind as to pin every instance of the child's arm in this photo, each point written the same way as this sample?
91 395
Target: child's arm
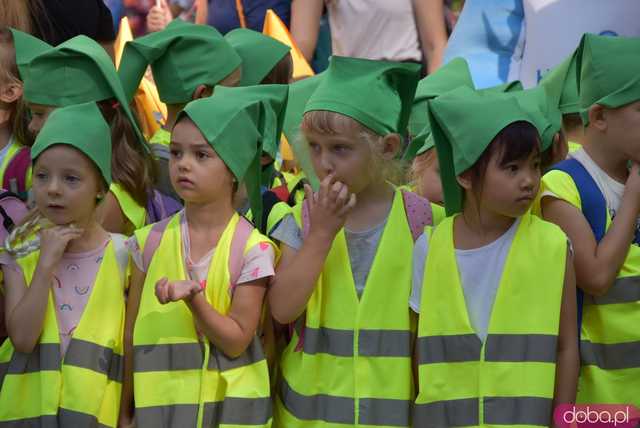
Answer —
298 272
136 283
25 307
597 264
568 363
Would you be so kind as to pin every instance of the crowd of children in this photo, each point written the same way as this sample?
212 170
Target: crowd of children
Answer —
439 256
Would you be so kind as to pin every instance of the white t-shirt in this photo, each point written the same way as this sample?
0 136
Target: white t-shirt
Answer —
374 29
553 28
480 274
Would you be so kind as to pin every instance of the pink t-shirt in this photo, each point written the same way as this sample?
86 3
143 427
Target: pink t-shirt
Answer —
73 283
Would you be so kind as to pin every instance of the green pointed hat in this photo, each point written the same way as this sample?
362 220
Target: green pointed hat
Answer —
276 96
378 94
544 112
83 127
182 56
562 85
448 77
235 128
76 72
608 70
463 123
260 54
503 88
27 47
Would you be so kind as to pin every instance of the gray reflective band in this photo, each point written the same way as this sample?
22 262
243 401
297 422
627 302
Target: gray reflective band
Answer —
624 290
170 416
237 411
45 356
94 357
46 421
521 348
451 413
449 349
220 362
384 343
610 357
384 412
71 418
331 341
321 407
168 357
518 411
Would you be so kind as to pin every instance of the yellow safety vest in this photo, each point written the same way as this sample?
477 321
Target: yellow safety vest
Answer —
354 368
161 136
509 379
609 336
134 213
14 148
83 390
181 380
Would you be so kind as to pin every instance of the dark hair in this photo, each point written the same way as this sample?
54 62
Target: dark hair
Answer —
572 121
282 73
516 142
131 165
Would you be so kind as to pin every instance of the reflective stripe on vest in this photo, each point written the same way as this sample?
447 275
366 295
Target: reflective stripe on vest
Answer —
180 381
510 378
355 363
83 390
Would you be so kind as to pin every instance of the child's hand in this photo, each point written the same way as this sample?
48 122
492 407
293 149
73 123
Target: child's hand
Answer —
53 243
329 207
159 16
173 291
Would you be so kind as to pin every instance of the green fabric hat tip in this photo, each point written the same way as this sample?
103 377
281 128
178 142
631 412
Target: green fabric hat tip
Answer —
83 127
450 76
608 72
378 94
259 53
27 47
463 124
562 85
544 113
182 56
75 72
236 135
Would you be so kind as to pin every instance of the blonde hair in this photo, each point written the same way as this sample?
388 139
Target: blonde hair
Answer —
332 123
418 167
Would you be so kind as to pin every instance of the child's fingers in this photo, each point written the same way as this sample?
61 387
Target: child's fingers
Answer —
349 206
308 194
325 186
343 197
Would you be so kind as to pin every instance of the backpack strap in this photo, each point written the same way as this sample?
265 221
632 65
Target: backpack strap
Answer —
418 210
594 209
292 194
236 256
153 241
15 176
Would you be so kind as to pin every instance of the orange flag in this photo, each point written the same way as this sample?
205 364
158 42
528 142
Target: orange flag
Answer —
274 27
151 112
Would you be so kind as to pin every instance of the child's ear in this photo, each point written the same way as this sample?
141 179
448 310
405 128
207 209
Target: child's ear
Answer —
597 117
10 93
464 180
391 144
202 91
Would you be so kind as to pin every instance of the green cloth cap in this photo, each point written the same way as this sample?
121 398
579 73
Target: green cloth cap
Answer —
259 53
514 86
27 47
182 57
448 77
75 72
276 96
299 94
464 122
83 127
562 85
378 94
608 70
235 128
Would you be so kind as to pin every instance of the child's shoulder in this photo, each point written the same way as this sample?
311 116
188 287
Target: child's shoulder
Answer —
560 184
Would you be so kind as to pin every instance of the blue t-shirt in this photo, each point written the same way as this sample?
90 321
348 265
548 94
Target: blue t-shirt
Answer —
224 16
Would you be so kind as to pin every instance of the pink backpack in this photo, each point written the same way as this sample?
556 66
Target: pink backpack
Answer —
12 211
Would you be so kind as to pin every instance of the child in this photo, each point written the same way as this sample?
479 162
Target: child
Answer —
65 289
348 362
424 178
200 278
497 342
264 59
79 71
594 198
16 50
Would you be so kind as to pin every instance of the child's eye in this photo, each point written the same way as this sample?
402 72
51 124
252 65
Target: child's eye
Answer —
314 147
202 155
72 178
175 153
340 149
512 168
41 175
